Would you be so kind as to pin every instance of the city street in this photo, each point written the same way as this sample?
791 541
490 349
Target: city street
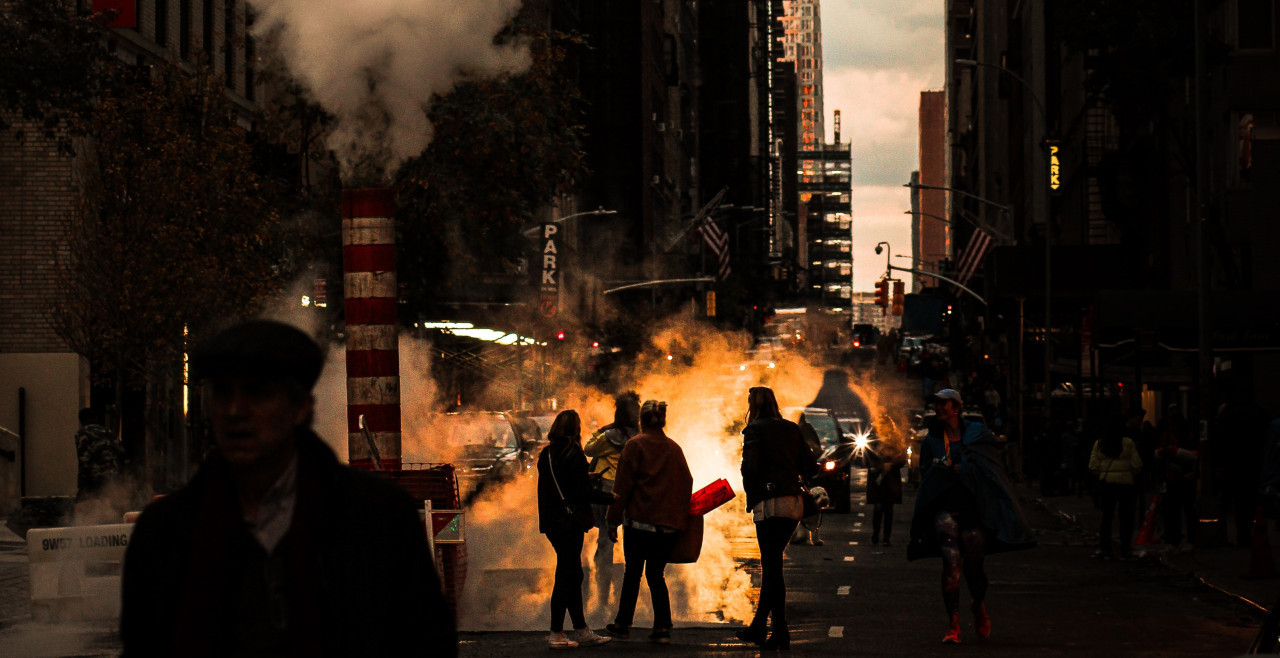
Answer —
849 597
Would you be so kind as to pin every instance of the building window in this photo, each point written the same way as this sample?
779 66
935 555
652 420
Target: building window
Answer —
162 23
1255 24
228 44
206 31
250 53
184 28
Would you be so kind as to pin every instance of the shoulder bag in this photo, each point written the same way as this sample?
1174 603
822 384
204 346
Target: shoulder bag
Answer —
579 514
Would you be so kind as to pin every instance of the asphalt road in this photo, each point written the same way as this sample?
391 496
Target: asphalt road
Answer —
848 597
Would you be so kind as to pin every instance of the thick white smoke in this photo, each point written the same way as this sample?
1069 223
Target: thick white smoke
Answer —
376 64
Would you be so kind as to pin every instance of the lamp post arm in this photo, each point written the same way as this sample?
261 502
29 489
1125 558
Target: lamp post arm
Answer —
942 278
962 193
1032 92
660 282
532 231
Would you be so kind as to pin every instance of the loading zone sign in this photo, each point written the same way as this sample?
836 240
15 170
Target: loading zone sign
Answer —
549 286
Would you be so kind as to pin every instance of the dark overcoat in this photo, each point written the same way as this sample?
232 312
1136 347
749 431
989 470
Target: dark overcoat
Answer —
353 573
980 471
884 487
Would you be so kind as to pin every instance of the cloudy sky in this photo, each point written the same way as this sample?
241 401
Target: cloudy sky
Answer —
878 56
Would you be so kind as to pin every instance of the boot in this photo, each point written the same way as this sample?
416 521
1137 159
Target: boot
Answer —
981 622
779 639
953 630
755 633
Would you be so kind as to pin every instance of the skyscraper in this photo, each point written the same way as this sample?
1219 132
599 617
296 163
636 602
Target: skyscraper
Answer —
803 45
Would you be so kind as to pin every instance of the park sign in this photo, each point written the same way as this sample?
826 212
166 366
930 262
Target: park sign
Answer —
549 283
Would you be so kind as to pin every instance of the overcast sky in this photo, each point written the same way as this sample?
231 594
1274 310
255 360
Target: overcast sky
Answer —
878 56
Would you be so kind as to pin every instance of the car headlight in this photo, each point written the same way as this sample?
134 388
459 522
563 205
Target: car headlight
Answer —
829 465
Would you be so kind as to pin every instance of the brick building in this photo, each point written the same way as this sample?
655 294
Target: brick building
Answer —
37 367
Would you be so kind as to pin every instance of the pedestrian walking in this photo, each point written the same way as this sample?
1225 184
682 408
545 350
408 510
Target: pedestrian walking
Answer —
565 496
1116 464
604 448
274 547
965 509
1180 469
884 491
776 461
651 499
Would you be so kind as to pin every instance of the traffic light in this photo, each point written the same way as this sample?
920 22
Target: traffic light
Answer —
882 293
899 297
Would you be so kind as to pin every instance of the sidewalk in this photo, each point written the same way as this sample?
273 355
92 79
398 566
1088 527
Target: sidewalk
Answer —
1220 567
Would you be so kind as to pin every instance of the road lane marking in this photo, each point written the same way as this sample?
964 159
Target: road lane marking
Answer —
843 590
835 631
863 514
848 558
853 543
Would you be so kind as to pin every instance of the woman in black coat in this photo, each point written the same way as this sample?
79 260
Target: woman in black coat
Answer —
775 462
564 485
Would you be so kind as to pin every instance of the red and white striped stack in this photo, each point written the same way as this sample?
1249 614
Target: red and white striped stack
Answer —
373 348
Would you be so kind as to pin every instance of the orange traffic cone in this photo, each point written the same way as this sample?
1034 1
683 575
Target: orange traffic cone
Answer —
1146 535
1261 562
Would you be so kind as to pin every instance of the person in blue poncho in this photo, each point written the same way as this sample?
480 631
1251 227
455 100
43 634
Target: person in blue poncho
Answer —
965 508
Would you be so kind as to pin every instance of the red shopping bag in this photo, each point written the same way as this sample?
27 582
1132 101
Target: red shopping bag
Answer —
710 497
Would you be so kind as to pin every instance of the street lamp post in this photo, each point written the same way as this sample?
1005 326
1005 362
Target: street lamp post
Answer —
1041 200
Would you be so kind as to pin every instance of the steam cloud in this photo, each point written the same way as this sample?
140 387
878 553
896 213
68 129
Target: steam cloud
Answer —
510 565
376 64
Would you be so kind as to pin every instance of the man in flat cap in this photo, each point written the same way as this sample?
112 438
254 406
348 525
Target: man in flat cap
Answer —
275 548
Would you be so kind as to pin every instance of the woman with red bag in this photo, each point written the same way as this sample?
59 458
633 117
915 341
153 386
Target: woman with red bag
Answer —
775 462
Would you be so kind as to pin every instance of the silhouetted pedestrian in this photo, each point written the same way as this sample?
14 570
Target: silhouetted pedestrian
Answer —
651 498
1116 464
564 515
275 548
775 463
965 509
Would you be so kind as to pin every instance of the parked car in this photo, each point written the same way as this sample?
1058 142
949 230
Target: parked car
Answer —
485 447
833 450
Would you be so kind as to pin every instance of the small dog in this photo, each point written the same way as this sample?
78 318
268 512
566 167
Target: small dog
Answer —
807 531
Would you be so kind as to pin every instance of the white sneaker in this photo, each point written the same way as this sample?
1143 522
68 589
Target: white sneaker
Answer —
585 637
559 640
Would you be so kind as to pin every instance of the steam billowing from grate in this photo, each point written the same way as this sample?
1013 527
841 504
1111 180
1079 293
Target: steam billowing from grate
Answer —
376 64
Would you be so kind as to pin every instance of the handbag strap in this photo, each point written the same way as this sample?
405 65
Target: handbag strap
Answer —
551 466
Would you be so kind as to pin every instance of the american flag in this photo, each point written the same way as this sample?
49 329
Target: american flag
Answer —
718 242
972 257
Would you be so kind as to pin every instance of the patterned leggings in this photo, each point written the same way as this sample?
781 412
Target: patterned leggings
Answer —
963 543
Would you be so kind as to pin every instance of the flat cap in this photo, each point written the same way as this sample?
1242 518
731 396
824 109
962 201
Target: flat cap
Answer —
260 348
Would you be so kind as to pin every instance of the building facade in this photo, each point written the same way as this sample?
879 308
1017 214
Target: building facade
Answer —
43 382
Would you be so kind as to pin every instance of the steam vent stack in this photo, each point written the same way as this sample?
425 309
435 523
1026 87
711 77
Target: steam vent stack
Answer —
373 349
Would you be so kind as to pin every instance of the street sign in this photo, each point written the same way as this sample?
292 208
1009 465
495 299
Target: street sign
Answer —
549 284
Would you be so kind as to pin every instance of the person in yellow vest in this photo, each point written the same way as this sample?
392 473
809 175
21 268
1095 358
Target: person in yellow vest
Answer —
603 449
1116 464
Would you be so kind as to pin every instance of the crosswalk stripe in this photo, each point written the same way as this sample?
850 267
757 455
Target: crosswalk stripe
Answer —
843 590
835 631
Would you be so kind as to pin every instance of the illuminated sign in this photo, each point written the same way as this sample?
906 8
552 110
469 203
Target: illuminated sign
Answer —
1055 168
549 285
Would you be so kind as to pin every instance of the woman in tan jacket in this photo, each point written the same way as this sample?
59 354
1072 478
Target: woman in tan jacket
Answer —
651 498
1116 464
